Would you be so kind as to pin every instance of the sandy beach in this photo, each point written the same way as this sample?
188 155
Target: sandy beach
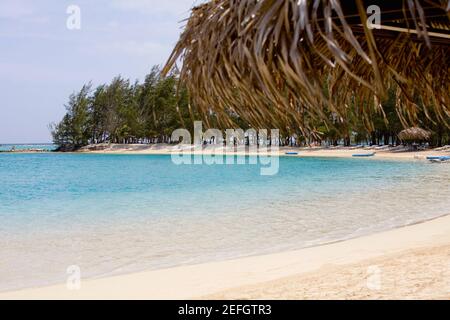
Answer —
412 262
225 150
401 153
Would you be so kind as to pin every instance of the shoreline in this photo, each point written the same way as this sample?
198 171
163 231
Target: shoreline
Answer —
262 285
325 152
320 152
273 276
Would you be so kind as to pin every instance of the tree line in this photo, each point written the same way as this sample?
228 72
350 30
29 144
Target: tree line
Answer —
123 112
132 112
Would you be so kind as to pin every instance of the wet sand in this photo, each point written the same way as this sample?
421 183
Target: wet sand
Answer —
412 262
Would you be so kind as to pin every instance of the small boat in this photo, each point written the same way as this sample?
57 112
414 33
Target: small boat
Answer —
292 153
439 158
361 155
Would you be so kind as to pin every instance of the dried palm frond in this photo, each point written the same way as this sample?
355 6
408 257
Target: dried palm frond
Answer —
295 63
414 134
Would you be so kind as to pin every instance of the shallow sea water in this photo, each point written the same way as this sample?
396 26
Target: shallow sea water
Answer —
114 214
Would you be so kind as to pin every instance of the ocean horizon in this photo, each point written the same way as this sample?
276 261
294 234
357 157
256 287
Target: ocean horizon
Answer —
27 146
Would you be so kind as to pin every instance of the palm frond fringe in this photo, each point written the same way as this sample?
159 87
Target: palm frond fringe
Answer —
296 63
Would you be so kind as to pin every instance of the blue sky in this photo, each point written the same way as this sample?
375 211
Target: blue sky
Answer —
42 62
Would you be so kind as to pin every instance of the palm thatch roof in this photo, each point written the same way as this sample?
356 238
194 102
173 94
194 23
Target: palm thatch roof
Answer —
414 134
294 63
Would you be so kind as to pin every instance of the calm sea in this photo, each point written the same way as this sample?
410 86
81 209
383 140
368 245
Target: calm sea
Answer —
24 147
113 214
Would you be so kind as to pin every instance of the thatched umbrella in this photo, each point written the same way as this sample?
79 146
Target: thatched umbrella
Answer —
291 63
414 134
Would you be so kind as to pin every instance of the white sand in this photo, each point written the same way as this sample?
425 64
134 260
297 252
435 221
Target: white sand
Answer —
340 152
413 262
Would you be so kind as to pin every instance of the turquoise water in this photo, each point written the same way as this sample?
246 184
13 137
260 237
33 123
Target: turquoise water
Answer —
113 214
